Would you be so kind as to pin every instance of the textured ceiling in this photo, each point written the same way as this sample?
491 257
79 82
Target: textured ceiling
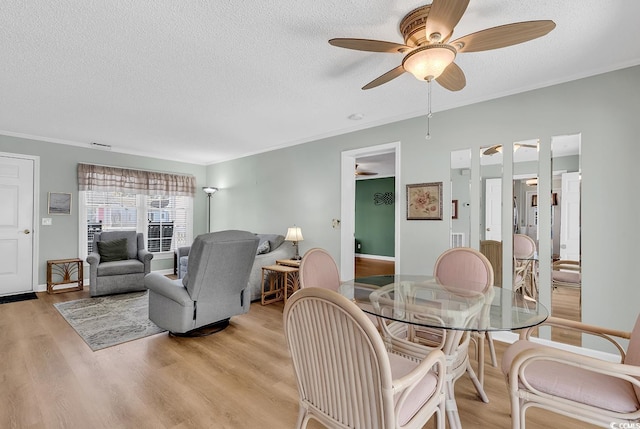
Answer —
207 81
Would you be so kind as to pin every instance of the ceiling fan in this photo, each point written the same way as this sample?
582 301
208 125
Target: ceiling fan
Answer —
428 51
497 148
364 172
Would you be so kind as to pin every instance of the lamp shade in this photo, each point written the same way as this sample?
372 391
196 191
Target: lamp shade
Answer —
429 62
294 234
209 190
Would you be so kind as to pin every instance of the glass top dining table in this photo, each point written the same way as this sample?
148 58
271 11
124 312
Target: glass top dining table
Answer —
459 309
407 298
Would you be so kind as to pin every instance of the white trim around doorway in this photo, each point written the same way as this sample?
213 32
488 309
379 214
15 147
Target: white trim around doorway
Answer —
348 195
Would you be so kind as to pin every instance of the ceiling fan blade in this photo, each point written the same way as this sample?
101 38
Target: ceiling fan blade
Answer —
493 150
503 35
452 78
369 45
390 75
443 17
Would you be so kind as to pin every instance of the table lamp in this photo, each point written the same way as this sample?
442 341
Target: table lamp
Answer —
294 234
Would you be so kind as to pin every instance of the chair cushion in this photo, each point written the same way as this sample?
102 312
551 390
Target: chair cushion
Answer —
116 268
114 250
633 351
133 239
275 240
400 367
573 383
566 276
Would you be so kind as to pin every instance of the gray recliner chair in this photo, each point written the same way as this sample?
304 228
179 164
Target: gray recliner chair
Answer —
214 289
123 275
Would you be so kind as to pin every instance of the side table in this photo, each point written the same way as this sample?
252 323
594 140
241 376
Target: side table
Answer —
63 272
278 282
289 262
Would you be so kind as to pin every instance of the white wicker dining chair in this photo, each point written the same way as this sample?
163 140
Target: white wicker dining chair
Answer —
469 268
455 267
346 377
593 390
318 269
524 249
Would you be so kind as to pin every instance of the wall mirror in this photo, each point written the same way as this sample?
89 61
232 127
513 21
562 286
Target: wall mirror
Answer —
491 163
566 234
460 225
525 217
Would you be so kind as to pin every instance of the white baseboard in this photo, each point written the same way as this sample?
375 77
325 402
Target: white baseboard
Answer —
43 287
381 258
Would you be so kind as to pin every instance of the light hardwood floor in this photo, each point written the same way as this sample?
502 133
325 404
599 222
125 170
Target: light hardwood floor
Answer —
365 267
238 378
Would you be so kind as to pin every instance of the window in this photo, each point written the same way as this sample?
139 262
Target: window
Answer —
159 205
165 221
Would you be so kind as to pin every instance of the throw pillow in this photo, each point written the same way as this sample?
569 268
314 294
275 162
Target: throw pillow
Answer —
263 248
114 250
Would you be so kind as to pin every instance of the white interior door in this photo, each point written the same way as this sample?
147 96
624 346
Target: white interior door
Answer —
16 225
570 217
493 209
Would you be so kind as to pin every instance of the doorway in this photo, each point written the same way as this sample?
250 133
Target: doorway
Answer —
17 182
347 237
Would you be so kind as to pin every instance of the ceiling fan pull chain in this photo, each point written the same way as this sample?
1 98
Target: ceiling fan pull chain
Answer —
429 115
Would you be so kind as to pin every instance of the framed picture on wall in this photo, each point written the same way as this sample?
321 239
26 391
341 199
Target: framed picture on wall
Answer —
59 203
424 201
454 209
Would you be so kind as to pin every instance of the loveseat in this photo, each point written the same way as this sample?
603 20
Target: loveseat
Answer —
271 247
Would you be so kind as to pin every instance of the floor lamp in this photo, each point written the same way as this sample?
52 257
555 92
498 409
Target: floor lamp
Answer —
209 190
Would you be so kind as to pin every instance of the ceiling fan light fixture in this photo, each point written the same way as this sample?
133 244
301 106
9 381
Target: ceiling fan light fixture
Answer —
429 62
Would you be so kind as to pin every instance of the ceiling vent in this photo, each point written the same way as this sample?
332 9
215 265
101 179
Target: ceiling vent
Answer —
100 146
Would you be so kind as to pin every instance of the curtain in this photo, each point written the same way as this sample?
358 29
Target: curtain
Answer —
113 179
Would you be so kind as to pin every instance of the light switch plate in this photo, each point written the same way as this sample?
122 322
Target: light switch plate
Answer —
46 221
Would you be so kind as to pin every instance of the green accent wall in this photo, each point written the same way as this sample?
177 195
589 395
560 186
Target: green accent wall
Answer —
375 222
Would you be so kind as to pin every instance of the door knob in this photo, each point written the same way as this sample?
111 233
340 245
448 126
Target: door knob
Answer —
26 231
488 229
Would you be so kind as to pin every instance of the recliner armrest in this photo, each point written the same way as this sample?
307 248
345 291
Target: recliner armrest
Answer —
171 289
182 251
144 255
93 258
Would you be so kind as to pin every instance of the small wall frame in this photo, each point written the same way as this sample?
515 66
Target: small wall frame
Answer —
424 201
59 203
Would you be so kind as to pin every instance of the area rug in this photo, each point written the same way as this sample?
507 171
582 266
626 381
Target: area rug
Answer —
17 298
110 320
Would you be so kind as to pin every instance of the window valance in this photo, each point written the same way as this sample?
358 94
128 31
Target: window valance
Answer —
113 179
